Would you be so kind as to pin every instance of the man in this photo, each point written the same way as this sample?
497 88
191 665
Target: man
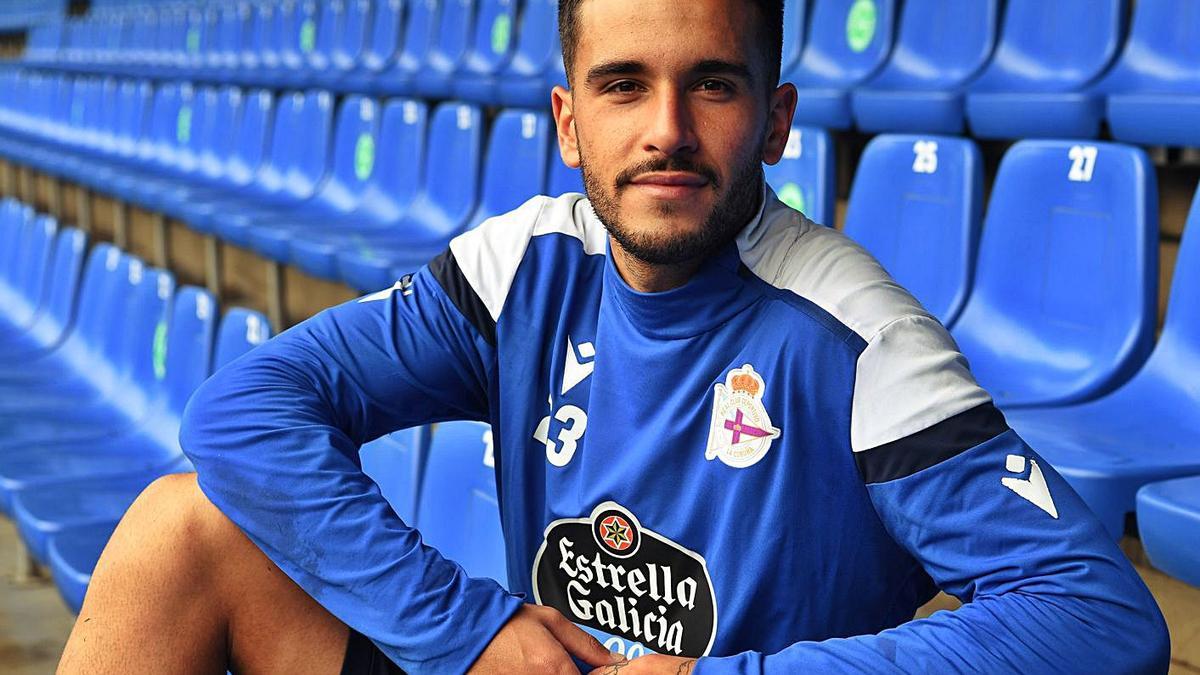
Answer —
721 432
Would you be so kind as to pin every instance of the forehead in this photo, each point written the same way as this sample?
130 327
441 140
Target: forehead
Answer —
665 32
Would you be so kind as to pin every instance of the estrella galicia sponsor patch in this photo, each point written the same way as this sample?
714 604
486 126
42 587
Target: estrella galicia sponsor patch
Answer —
608 572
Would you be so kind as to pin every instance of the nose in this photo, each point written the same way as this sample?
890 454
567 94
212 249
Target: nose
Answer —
672 130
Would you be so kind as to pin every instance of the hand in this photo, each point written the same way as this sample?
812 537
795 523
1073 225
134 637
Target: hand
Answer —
650 664
541 640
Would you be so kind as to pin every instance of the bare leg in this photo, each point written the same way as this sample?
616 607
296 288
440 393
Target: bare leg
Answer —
180 589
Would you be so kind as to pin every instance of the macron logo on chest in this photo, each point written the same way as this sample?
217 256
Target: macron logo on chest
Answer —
578 365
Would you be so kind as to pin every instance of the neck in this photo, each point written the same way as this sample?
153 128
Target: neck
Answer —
647 277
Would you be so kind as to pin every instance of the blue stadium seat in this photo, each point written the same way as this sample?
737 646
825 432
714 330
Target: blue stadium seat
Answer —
420 30
182 359
1149 429
294 115
396 463
1168 518
20 299
847 42
1063 305
1040 82
459 514
795 30
941 46
449 195
536 64
449 47
355 139
490 51
50 326
918 199
72 535
67 440
516 165
391 189
804 178
385 22
342 40
1154 89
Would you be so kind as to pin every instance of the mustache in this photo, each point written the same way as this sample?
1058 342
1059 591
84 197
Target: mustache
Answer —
667 164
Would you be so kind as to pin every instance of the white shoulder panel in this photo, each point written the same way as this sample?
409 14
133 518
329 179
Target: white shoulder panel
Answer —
490 254
911 375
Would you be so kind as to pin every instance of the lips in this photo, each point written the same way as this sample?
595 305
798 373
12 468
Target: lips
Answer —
671 179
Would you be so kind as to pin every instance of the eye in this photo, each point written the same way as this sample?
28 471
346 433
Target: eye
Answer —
622 87
715 86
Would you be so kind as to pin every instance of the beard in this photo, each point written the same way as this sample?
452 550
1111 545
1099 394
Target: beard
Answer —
734 207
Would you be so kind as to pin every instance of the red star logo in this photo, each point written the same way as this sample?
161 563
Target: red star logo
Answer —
616 533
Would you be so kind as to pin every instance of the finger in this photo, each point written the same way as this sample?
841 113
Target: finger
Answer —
580 644
618 668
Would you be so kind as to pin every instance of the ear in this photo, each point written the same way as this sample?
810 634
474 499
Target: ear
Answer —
564 117
779 122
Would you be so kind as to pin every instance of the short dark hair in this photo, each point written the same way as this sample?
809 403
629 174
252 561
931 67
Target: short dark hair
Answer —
771 12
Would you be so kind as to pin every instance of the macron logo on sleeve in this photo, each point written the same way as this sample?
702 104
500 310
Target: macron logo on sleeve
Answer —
1034 489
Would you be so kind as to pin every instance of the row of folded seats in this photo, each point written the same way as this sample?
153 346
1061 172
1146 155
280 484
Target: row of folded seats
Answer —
99 354
1014 69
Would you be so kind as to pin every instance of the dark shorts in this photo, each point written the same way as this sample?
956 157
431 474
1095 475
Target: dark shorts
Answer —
364 658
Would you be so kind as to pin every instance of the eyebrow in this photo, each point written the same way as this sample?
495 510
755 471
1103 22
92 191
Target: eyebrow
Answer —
705 67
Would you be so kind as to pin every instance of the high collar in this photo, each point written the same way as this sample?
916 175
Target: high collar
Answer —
713 296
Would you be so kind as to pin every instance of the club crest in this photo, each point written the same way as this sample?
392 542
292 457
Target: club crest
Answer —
741 432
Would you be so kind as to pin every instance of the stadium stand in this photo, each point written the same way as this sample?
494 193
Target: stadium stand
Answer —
1040 82
349 140
917 198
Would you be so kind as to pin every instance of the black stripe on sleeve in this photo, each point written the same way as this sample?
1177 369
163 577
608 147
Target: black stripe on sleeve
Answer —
908 455
447 272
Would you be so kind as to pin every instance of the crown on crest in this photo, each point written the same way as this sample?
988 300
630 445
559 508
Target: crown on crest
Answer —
745 382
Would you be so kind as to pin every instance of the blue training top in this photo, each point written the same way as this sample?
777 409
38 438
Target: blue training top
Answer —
785 450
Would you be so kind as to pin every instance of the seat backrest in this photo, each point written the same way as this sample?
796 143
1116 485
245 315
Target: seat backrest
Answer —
1064 300
268 36
458 512
287 126
795 25
396 179
455 29
514 169
804 178
492 44
352 35
296 20
241 330
453 162
183 345
562 179
945 41
159 147
99 294
1180 340
134 102
218 134
310 158
1163 47
252 136
420 26
383 25
355 138
62 283
145 324
917 206
537 40
1054 46
39 260
396 462
847 40
189 126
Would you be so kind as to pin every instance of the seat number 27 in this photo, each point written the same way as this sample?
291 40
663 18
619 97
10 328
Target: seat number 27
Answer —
1083 163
